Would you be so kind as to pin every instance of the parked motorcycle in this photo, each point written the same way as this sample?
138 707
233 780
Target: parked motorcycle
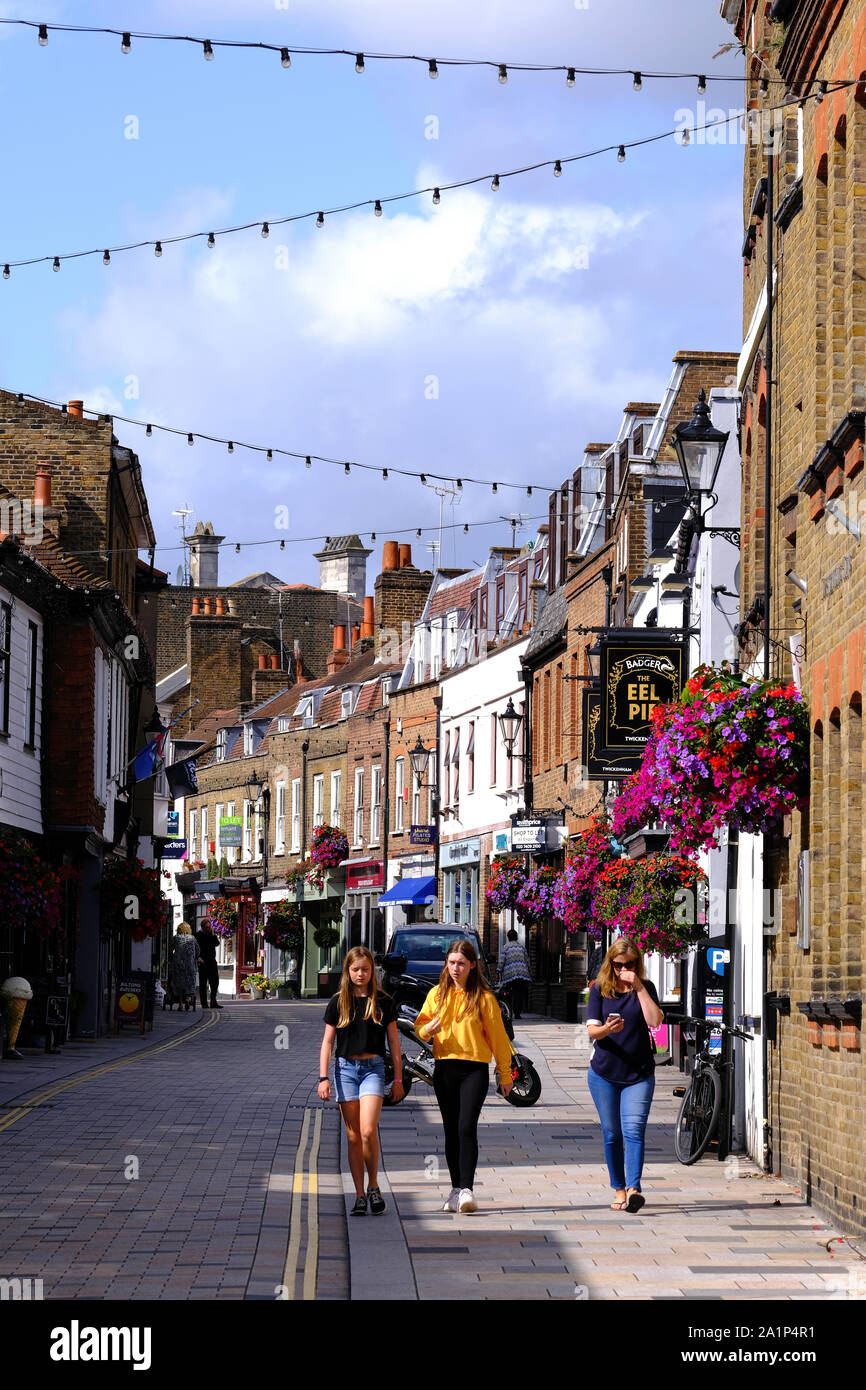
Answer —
418 1065
412 991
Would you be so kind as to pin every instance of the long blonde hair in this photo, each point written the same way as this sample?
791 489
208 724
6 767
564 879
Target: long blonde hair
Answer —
606 978
347 997
476 984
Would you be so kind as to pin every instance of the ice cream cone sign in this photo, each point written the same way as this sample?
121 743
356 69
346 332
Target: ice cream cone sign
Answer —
14 995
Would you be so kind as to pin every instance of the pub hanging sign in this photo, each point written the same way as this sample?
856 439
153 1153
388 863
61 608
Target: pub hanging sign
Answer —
636 675
596 767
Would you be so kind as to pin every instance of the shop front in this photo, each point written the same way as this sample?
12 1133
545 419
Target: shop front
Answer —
364 919
233 907
460 862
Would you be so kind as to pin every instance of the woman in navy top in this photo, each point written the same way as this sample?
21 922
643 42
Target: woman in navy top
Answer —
622 1008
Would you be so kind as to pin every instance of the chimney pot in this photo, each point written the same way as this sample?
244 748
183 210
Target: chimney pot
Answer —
390 556
263 660
207 607
339 637
356 633
275 662
369 623
405 556
196 605
42 491
76 410
220 606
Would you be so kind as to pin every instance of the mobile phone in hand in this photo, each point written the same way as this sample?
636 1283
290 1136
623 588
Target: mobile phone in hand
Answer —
614 1018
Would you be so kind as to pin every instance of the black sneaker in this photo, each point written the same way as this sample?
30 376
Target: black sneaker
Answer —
376 1200
360 1207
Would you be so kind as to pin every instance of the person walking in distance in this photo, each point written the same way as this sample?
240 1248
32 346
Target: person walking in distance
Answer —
358 1019
621 1010
208 970
514 972
462 1016
183 955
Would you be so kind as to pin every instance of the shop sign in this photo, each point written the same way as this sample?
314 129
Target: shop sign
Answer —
174 849
172 825
636 675
231 832
529 834
458 852
422 835
360 876
129 1003
596 767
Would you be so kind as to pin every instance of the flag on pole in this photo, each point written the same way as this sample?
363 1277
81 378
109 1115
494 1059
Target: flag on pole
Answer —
181 778
147 761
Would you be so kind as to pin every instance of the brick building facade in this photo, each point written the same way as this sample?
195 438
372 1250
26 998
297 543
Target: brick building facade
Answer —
814 405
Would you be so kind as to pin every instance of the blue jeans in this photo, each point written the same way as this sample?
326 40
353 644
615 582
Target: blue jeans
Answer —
359 1076
623 1111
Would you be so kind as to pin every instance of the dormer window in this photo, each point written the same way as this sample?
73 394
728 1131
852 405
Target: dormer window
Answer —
347 703
248 740
283 724
222 737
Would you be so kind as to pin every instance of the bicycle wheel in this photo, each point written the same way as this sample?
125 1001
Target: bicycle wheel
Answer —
699 1116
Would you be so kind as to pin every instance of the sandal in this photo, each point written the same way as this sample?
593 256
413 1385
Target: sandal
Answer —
636 1200
619 1206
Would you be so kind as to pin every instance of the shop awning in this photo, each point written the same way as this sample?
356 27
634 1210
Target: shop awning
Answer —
410 892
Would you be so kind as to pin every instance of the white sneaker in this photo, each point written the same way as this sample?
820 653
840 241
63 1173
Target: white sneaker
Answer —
453 1200
467 1200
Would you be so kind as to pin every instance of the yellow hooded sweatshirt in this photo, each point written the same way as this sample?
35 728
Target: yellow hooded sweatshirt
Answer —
473 1038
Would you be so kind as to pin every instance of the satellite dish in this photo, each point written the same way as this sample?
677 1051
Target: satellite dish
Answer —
179 577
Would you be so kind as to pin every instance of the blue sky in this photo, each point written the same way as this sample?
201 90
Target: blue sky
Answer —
535 312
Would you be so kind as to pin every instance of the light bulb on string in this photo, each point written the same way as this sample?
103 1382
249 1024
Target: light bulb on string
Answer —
106 258
270 455
238 548
208 50
418 534
266 231
466 529
495 487
621 154
282 544
320 220
157 250
43 35
494 183
423 478
372 535
309 461
285 58
6 272
702 85
190 441
126 43
149 431
436 197
231 447
346 468
569 78
459 484
529 492
56 265
385 473
211 240
637 82
503 73
359 62
433 70
686 139
557 169
377 208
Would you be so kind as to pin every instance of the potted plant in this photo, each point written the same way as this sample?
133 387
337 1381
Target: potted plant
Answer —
507 878
660 902
329 847
257 985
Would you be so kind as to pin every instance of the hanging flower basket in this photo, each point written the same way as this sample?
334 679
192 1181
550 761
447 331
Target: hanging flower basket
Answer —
507 877
284 926
660 902
326 936
31 892
329 847
730 752
574 895
223 916
535 900
130 897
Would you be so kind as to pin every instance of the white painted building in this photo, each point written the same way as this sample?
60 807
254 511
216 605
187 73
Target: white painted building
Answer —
21 656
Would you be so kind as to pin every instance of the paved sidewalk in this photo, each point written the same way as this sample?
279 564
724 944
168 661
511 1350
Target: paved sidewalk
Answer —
545 1230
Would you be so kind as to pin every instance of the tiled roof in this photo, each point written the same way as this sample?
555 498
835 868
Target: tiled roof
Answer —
217 719
457 593
67 568
331 708
549 624
369 697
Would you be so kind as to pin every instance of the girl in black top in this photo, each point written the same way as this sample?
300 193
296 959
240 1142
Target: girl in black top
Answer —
358 1018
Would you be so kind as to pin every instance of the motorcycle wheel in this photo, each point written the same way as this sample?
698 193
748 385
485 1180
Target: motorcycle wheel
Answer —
527 1087
389 1077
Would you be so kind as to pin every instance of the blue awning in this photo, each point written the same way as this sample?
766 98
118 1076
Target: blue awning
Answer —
410 892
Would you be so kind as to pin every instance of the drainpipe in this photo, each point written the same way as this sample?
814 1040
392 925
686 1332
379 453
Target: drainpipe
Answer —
768 480
305 748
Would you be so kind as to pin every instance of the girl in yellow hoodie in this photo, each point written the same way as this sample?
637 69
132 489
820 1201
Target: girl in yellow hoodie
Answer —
463 1018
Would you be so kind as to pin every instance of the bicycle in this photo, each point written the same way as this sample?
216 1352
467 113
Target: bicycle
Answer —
701 1105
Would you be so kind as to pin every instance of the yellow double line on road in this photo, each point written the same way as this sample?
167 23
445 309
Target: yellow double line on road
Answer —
296 1229
81 1077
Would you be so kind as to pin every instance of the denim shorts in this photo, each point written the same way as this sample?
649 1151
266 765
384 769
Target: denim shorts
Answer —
359 1076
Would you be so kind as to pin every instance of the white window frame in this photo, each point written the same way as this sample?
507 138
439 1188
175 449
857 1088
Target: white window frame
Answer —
248 833
318 800
296 815
358 818
452 638
375 804
283 724
435 648
399 785
100 716
259 830
280 818
205 849
336 797
248 740
193 834
222 739
416 798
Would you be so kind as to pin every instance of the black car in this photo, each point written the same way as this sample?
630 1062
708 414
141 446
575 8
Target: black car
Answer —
421 951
